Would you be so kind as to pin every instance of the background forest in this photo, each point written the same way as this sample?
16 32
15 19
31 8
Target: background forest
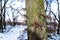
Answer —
29 19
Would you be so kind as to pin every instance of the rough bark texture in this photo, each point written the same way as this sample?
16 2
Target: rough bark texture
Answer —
36 22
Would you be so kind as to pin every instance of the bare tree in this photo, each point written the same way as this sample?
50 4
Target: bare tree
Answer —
59 18
2 15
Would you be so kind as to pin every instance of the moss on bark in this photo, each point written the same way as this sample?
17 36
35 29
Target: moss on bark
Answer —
36 24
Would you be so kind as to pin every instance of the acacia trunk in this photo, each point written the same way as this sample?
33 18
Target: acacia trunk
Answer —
36 22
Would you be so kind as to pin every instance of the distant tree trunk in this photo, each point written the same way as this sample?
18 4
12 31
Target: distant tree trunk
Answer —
1 15
59 18
4 15
36 22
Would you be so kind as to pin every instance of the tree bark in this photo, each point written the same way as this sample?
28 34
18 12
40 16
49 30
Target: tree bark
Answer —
36 22
1 16
59 18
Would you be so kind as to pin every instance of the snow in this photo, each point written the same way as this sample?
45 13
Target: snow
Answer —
14 33
54 37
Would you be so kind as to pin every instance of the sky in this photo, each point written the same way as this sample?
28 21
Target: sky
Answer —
19 4
54 8
16 4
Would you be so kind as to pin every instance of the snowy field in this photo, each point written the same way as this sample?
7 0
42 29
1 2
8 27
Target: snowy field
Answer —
17 32
54 36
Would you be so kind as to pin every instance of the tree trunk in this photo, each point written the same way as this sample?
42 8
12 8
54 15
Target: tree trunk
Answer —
1 16
35 21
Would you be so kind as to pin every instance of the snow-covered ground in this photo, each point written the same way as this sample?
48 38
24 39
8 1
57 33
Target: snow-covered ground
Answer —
17 32
54 36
